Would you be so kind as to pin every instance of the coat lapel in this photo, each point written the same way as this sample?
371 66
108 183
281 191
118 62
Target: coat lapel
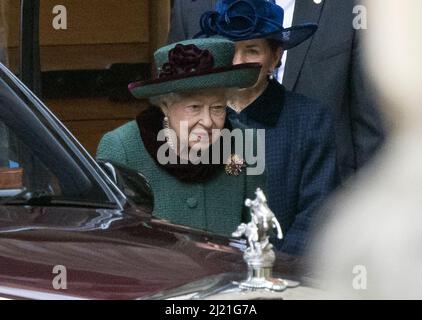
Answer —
306 11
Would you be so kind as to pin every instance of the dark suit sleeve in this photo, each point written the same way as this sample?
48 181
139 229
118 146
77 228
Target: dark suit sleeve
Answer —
319 177
177 31
368 126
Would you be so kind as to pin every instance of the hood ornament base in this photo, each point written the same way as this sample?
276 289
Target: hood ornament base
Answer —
260 255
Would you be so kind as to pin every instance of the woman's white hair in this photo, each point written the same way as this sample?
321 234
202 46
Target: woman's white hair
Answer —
168 99
165 99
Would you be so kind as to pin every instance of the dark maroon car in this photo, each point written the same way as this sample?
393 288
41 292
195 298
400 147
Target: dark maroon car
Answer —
73 228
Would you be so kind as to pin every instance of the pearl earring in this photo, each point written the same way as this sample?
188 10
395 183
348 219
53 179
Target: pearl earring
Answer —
271 75
167 133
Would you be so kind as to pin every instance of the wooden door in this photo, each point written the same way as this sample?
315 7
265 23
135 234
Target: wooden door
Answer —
99 34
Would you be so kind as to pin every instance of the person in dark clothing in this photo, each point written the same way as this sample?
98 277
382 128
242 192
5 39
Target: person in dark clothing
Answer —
327 67
300 136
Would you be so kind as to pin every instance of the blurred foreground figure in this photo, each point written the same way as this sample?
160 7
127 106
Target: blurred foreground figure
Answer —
371 247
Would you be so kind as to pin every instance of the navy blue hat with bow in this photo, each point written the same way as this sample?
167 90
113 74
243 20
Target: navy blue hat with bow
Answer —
240 20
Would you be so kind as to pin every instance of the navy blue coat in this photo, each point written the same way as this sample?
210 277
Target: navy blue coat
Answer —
300 151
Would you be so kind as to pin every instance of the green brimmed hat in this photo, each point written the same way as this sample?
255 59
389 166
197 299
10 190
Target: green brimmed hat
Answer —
194 65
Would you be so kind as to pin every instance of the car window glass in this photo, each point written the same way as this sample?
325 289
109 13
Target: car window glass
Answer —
45 151
20 168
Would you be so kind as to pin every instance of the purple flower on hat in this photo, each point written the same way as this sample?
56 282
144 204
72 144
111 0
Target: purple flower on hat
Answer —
185 59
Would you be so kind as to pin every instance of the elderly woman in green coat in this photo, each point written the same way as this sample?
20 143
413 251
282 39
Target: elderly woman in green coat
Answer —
177 142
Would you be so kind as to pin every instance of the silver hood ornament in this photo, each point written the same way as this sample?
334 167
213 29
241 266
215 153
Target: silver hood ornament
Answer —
260 255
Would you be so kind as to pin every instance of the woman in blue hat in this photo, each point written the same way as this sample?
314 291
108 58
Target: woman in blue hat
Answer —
300 146
188 108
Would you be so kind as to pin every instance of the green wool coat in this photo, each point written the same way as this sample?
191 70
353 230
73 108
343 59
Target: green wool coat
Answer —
216 205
